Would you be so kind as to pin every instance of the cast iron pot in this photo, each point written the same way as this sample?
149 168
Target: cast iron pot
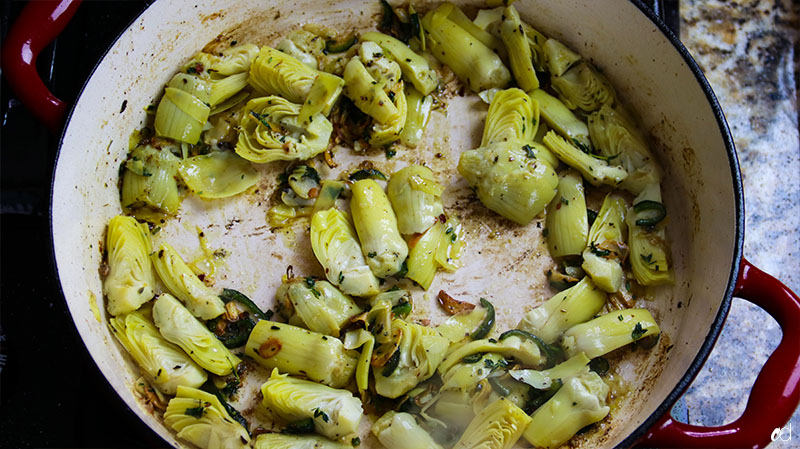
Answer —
652 72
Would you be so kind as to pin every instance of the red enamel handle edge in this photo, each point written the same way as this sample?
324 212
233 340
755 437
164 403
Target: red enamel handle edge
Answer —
39 23
776 392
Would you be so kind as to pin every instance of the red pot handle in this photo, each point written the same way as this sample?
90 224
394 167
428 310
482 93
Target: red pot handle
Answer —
39 23
776 392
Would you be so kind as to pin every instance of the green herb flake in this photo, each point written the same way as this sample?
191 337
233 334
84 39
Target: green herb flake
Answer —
262 119
638 332
319 413
648 259
198 411
583 147
529 151
599 252
367 174
355 442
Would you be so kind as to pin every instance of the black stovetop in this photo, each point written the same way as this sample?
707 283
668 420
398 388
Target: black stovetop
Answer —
51 392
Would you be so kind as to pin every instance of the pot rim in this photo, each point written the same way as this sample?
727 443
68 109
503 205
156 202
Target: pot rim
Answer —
719 321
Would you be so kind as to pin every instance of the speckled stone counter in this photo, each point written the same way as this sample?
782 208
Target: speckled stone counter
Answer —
749 52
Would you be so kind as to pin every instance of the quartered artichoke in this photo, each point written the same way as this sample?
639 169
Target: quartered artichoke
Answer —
149 183
183 110
316 305
335 413
297 351
201 419
181 281
416 197
334 242
579 402
164 365
178 326
499 426
410 358
271 130
130 281
401 431
616 136
373 82
376 226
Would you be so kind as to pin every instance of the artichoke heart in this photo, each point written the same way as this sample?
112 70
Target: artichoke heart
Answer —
165 365
316 305
276 73
181 281
183 110
130 279
336 247
414 67
219 174
519 51
178 326
497 426
416 197
335 413
583 87
649 250
609 332
606 250
376 226
297 351
513 116
567 308
475 63
567 221
465 376
421 349
508 181
558 57
304 46
616 136
149 186
271 130
201 419
373 82
285 441
581 401
595 170
225 72
401 431
523 350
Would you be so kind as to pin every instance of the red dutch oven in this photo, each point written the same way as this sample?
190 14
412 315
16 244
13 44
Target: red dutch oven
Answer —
653 73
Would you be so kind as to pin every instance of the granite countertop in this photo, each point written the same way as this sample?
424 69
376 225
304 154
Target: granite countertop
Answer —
749 52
